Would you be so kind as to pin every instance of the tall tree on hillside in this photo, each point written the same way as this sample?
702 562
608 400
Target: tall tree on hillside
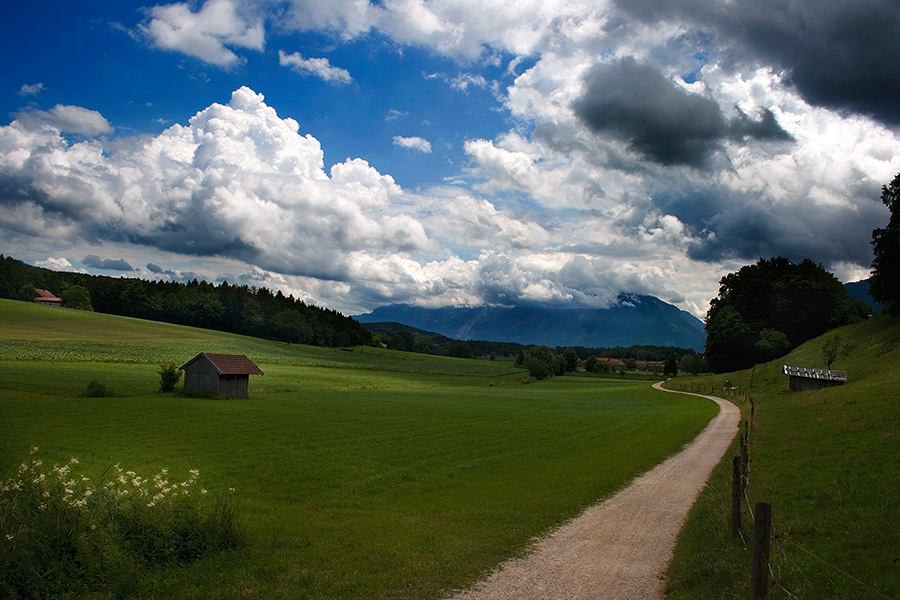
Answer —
764 310
884 284
76 296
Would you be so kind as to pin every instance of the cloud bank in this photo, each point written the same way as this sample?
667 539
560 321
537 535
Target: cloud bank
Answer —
650 148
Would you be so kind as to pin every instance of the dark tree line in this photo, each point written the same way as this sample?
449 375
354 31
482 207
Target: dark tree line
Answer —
884 284
402 337
766 309
236 309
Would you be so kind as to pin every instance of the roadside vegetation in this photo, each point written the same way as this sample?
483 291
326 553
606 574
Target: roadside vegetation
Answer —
370 473
827 462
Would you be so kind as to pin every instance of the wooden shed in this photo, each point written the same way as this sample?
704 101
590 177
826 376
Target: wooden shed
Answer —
226 375
803 379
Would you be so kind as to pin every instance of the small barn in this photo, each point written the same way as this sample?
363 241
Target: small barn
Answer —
46 298
226 375
803 379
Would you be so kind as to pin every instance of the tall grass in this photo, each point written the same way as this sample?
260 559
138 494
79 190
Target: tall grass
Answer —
62 534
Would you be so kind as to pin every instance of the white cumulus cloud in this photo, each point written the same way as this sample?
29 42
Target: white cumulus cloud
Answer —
413 143
31 89
205 34
69 119
318 67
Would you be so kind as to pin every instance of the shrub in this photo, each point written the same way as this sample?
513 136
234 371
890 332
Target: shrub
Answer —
62 534
95 389
537 368
169 376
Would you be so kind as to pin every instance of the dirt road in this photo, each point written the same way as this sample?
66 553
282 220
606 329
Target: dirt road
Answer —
618 549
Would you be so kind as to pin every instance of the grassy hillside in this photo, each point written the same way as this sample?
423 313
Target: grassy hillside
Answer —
827 461
365 474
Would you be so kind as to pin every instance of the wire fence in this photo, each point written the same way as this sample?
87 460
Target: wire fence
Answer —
780 540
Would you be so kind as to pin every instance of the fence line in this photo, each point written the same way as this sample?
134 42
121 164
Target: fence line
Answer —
745 475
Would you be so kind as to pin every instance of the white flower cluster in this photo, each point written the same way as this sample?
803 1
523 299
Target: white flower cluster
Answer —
76 492
153 492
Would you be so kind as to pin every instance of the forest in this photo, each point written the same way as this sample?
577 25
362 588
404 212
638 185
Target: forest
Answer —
239 309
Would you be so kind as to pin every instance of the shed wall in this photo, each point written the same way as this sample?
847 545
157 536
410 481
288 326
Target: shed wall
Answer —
234 386
201 376
805 384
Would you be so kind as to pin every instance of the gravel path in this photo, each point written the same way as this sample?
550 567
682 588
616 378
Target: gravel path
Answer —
618 549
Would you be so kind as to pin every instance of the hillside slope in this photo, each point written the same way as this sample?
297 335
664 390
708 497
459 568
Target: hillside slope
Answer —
827 462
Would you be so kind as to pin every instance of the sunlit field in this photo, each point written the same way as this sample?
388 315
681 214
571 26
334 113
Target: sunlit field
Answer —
363 474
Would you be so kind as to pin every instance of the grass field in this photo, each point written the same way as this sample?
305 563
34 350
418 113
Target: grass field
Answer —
363 474
827 461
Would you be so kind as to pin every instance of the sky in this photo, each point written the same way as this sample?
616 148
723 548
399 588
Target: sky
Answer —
448 153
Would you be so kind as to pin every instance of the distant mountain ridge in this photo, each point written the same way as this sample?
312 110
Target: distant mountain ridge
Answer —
635 319
860 291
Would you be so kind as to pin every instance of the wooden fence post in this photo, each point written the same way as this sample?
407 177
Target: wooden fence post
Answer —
745 457
736 478
762 526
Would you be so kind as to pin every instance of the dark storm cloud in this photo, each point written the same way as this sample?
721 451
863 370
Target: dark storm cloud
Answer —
657 118
725 225
95 262
635 103
154 268
837 53
767 128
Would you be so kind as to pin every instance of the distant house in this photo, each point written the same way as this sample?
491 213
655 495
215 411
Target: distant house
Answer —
802 379
226 375
46 298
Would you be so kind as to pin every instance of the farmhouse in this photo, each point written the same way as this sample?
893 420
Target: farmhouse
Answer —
803 379
226 375
46 298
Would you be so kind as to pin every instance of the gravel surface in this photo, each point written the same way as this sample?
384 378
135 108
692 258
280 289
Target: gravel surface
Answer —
618 549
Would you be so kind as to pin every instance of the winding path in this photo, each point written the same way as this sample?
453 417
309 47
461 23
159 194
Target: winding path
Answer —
618 549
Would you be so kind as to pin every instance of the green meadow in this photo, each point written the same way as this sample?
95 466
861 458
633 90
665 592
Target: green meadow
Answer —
827 461
363 474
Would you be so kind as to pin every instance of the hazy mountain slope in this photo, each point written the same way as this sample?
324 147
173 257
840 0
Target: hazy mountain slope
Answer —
635 320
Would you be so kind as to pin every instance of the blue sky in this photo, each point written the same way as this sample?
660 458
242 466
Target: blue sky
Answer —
456 153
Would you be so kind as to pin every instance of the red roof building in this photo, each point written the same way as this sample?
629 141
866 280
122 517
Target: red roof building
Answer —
46 298
226 375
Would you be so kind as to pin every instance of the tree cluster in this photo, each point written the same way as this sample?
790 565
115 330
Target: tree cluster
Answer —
543 362
766 309
884 284
237 309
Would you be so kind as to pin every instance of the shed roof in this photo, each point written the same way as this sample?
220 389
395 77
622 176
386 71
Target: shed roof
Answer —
228 364
45 296
821 374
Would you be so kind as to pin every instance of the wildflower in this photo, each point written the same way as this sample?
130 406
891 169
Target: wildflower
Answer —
203 492
9 537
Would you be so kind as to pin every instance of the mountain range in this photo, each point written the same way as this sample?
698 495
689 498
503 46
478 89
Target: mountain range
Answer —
634 319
